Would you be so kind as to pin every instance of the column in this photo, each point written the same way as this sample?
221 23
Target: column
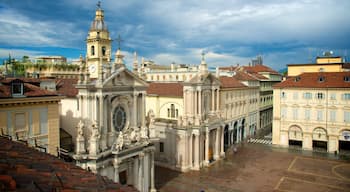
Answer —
213 100
185 103
146 174
129 173
222 153
196 152
143 112
217 100
191 151
100 122
153 189
207 147
136 175
116 171
200 103
140 177
134 112
216 153
195 102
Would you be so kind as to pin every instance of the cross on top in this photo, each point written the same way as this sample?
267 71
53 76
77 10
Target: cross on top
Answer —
99 4
119 40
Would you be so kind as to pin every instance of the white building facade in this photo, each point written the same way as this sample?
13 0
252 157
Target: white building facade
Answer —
111 137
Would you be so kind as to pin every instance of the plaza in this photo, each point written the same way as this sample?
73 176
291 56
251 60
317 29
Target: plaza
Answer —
258 167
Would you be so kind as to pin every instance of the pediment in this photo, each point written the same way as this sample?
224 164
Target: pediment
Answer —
124 77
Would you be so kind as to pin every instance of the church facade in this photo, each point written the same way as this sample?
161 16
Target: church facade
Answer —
112 138
185 121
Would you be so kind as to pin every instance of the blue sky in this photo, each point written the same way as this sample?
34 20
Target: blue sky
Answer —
166 31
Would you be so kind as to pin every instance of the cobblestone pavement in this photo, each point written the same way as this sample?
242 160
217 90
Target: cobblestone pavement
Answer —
260 168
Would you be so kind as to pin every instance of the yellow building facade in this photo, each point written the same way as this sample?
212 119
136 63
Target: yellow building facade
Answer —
30 116
327 63
312 111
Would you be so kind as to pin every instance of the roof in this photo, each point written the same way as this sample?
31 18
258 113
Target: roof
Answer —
31 88
230 82
166 89
244 76
26 169
317 80
66 87
260 68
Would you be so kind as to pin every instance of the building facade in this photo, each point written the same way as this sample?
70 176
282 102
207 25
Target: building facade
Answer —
312 111
184 120
326 63
111 137
263 77
239 106
29 113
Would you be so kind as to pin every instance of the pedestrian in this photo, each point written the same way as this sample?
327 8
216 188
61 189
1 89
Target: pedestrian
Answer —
234 149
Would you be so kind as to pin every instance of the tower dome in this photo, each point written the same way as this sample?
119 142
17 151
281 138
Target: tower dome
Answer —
98 23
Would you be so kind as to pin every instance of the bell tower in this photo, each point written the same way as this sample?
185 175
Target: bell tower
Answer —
98 44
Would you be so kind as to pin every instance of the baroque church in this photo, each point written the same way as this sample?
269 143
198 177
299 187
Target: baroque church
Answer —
112 137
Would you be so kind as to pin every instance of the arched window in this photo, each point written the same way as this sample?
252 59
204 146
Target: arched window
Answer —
172 110
92 50
103 51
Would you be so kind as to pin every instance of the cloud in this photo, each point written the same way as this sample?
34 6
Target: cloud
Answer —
17 29
18 53
165 31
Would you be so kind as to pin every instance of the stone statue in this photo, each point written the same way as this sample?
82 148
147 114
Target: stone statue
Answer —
95 133
80 128
80 140
120 142
94 140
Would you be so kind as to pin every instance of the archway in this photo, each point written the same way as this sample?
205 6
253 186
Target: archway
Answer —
295 135
319 139
344 141
234 136
226 138
242 130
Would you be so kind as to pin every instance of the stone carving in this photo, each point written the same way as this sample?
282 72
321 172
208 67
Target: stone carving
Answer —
151 116
119 142
94 140
80 140
95 133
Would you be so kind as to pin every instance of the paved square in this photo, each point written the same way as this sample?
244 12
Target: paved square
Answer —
260 168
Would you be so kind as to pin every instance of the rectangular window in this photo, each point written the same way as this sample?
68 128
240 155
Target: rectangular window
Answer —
43 122
347 116
332 115
307 114
20 121
319 115
283 112
161 147
295 114
346 96
17 88
319 96
307 95
295 95
333 96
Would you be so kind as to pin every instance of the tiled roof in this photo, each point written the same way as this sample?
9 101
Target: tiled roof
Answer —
317 80
26 169
230 82
243 76
31 88
259 68
66 87
166 89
